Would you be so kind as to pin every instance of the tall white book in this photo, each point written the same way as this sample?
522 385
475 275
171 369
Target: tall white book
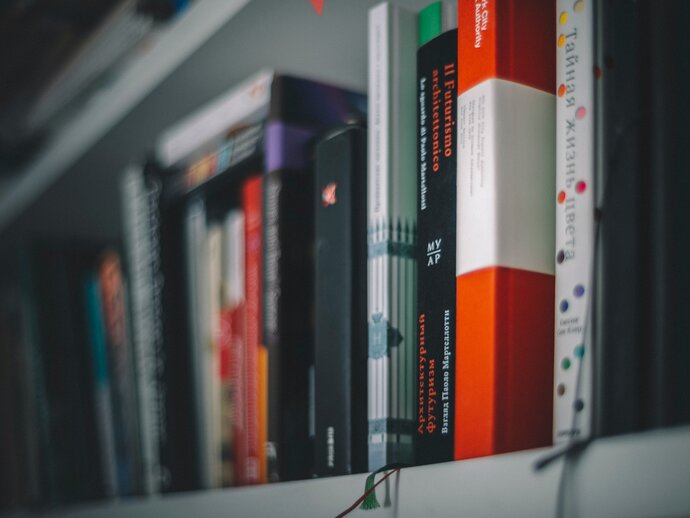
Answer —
392 228
575 227
203 263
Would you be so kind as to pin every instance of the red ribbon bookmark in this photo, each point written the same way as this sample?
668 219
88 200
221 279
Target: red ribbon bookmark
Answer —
318 6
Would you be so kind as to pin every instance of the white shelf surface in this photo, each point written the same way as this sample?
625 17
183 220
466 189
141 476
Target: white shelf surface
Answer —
638 475
171 46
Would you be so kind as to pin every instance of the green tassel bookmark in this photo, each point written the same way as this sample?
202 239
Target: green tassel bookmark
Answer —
370 502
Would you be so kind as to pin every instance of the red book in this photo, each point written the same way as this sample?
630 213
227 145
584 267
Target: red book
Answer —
250 455
506 225
231 348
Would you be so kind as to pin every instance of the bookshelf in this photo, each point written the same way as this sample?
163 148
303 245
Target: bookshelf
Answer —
636 475
69 190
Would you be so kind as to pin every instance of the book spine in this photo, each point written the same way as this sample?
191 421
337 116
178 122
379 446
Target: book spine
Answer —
232 344
506 226
575 78
629 305
228 388
251 449
340 357
27 386
19 448
112 288
213 402
43 458
102 385
142 242
12 479
391 229
63 335
288 277
436 213
665 182
197 293
238 384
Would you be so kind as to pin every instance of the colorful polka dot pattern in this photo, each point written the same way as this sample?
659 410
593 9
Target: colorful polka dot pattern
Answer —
569 305
581 112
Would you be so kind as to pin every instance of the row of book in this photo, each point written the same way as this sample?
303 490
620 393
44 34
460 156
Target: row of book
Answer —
543 284
206 378
304 293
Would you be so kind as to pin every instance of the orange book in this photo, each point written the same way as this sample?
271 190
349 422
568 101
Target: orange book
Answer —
262 390
506 226
121 364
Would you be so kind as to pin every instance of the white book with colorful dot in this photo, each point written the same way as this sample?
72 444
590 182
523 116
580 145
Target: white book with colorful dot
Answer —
575 226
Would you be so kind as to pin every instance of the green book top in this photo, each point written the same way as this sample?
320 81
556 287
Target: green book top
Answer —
430 22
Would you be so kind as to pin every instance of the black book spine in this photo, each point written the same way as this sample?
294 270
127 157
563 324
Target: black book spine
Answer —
340 356
287 326
620 316
178 432
640 314
64 354
436 216
45 487
670 132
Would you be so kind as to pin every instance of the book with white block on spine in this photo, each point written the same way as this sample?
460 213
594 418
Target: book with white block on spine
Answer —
392 228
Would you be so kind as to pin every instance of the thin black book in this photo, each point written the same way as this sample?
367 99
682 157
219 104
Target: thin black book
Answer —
287 330
436 217
341 303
